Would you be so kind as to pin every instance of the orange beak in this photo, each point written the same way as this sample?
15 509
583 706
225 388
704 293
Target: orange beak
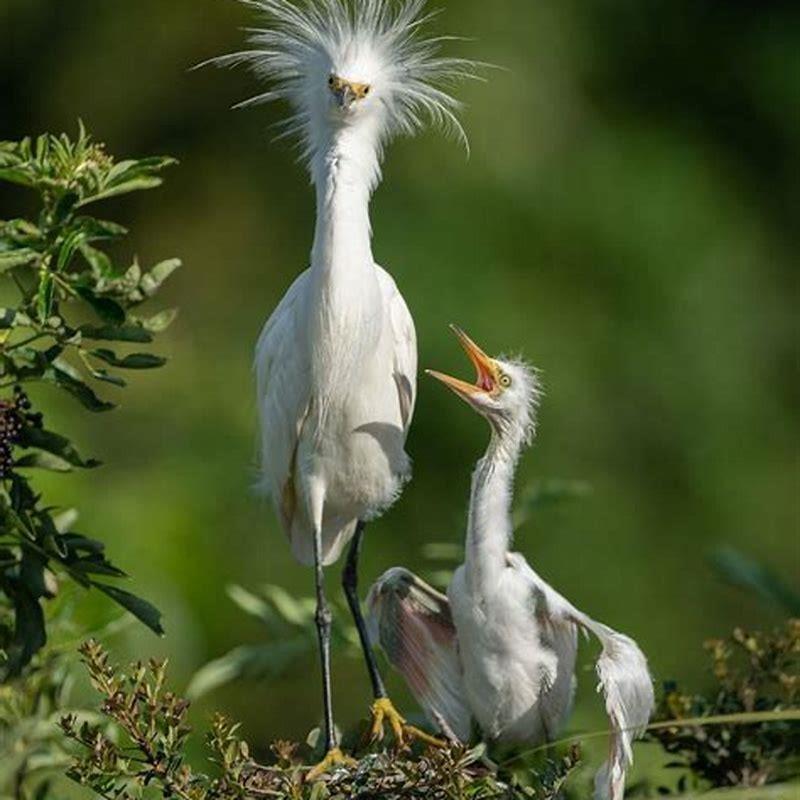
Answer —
486 379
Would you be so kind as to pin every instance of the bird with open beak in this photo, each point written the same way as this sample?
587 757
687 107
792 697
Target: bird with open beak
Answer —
500 648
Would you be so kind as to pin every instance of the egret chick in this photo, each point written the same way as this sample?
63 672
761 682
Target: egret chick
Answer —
500 649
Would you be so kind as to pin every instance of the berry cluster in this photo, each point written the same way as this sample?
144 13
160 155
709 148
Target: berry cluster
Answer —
14 415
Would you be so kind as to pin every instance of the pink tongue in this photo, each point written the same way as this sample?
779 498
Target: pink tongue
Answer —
485 383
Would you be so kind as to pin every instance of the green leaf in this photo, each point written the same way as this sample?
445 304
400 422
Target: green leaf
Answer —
17 258
17 175
740 570
131 361
67 249
97 260
294 611
106 308
251 662
251 603
64 206
78 389
161 321
44 296
43 460
117 333
152 280
99 229
55 444
145 612
11 318
29 629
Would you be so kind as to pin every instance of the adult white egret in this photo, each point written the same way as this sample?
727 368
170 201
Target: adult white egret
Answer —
500 648
336 362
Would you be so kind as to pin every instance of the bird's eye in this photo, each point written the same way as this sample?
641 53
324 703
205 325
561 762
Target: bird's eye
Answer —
366 91
331 81
505 381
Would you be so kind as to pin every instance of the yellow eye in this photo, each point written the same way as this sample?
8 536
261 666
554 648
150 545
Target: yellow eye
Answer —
505 381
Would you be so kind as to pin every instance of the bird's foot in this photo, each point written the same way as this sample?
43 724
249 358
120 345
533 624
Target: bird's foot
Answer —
334 758
382 711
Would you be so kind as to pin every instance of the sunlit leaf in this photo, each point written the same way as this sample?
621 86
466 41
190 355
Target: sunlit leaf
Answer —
141 609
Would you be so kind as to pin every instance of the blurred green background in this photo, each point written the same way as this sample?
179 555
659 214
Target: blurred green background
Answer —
628 219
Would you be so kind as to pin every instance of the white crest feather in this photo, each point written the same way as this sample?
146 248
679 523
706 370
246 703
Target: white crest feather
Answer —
373 41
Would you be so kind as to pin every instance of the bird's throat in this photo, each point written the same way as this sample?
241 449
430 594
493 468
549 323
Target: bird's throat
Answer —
342 237
490 528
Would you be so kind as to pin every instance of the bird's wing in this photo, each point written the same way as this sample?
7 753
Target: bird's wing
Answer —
282 397
624 679
412 623
405 347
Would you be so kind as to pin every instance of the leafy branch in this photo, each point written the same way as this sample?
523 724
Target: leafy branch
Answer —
75 309
147 747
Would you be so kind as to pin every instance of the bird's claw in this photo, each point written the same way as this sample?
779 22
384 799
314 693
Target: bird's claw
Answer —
334 758
383 710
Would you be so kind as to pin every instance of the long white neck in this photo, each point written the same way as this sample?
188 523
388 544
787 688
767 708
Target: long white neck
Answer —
345 169
489 527
345 307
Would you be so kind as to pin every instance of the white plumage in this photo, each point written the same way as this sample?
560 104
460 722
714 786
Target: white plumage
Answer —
336 385
336 362
501 648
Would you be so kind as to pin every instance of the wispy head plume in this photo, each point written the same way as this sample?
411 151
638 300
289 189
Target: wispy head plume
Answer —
353 64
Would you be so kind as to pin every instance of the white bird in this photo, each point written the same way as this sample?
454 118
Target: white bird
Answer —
336 362
500 648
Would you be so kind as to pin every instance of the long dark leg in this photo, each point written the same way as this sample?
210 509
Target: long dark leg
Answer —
350 584
323 621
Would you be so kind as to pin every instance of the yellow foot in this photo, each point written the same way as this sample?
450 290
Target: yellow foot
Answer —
383 710
334 758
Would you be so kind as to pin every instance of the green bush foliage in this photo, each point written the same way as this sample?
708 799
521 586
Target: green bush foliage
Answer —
74 322
143 755
754 672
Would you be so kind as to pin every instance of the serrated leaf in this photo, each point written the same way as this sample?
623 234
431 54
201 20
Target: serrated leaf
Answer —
145 612
131 361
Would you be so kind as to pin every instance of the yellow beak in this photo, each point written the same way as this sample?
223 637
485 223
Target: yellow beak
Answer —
486 379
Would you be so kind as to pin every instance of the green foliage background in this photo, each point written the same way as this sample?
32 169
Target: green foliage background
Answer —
627 220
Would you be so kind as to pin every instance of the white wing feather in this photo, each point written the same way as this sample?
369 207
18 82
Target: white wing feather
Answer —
412 623
282 395
624 679
405 346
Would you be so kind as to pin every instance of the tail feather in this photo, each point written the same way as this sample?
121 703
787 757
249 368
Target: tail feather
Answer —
625 682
